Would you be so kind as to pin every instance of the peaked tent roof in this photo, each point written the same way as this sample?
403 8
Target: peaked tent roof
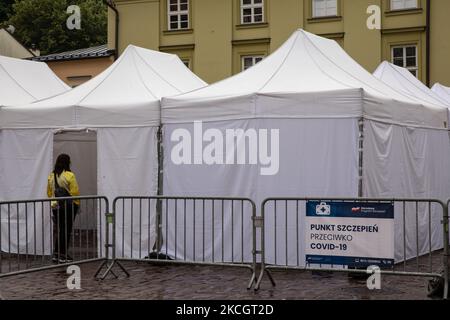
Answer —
23 81
128 93
307 77
442 91
404 81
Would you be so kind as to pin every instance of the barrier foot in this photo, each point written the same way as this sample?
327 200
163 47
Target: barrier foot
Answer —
252 280
100 268
446 281
123 269
110 270
258 282
261 275
272 281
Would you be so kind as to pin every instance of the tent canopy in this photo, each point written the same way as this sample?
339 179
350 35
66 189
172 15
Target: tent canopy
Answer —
127 94
442 91
404 81
307 77
23 82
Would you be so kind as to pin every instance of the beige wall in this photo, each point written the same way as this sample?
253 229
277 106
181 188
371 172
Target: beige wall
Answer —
10 47
440 42
76 72
216 40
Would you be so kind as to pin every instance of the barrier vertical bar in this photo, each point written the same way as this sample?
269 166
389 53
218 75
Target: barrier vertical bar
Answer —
446 249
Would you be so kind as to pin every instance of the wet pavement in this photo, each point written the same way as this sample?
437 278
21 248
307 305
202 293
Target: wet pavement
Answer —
170 282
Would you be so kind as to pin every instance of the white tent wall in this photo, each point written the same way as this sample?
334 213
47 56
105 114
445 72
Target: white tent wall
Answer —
309 78
409 163
317 157
128 166
25 162
81 146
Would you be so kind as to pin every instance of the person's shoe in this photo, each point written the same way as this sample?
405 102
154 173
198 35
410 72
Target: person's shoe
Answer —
65 259
55 258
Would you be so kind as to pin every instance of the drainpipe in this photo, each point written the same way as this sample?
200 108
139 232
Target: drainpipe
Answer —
428 63
112 6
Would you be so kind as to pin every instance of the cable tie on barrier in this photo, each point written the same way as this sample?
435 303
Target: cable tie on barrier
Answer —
259 222
109 218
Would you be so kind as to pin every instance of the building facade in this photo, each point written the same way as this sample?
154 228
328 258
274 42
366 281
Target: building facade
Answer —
79 66
219 38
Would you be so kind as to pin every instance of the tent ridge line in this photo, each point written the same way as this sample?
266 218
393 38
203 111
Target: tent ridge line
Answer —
376 90
142 79
17 82
157 73
412 83
281 64
321 69
118 62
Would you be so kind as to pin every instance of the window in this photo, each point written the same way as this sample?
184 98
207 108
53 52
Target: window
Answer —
324 8
187 62
178 14
250 61
252 11
406 57
403 4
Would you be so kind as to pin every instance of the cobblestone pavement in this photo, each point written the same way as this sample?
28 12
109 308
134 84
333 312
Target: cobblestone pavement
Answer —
198 282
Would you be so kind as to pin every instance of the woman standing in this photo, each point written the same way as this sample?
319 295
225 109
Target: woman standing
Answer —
62 183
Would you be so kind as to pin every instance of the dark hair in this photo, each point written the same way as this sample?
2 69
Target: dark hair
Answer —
62 164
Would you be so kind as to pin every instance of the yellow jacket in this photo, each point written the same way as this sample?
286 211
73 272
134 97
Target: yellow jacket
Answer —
66 180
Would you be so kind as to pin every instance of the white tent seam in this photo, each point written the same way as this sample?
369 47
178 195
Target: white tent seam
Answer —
100 83
10 75
280 66
323 71
154 71
142 79
417 87
345 71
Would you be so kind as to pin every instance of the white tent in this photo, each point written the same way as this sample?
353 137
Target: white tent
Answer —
122 106
442 91
312 96
404 81
23 82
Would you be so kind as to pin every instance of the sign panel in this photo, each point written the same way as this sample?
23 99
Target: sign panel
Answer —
350 233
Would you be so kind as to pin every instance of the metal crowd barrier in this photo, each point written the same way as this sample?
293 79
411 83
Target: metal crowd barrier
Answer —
43 234
286 222
217 231
184 230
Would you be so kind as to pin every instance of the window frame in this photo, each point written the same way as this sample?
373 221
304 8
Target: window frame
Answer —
404 57
178 14
391 7
187 62
313 13
252 6
254 57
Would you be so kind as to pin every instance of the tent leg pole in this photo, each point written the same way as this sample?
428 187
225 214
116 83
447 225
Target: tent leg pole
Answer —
158 245
360 157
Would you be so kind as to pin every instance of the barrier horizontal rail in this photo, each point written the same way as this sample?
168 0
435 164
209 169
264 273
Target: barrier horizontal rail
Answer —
285 213
217 231
41 234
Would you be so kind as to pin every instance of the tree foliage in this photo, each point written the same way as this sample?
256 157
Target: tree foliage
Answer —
5 9
42 23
